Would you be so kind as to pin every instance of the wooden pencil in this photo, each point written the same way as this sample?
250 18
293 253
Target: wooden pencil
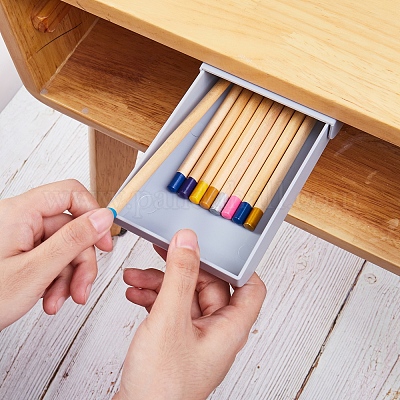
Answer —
222 153
245 159
205 137
279 174
141 177
268 168
195 174
265 149
237 151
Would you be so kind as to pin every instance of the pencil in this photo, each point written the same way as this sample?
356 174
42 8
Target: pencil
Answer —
236 152
245 159
251 173
268 168
279 174
141 177
195 174
222 153
205 137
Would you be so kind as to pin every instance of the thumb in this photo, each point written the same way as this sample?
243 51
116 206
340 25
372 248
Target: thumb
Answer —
67 243
174 301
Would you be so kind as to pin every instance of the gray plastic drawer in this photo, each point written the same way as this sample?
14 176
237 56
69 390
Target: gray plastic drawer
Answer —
227 250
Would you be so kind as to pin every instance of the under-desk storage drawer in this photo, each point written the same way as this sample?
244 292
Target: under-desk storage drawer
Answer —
228 249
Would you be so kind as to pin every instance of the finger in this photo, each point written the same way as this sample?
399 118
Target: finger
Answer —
18 225
242 311
105 243
85 272
54 223
45 262
58 292
151 279
195 311
247 300
85 264
174 301
144 278
147 297
214 293
55 198
141 297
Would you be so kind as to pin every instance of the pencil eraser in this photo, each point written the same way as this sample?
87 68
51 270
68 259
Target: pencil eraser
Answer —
230 207
208 197
113 211
176 182
253 219
241 213
198 192
187 188
219 203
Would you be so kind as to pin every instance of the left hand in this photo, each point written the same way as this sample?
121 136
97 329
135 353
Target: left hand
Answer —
47 253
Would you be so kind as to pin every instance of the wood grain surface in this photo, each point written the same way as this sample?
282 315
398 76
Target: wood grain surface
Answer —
36 55
341 58
111 161
47 14
352 198
121 84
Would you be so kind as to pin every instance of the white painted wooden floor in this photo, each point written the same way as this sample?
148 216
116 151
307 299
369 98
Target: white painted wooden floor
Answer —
329 328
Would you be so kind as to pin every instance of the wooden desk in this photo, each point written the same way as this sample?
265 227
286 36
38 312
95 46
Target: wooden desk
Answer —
340 58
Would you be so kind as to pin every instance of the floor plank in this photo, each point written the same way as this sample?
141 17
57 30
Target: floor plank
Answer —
23 125
391 388
361 356
40 146
308 281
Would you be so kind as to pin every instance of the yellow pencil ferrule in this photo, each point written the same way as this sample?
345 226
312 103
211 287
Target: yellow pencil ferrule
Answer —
253 219
209 197
198 192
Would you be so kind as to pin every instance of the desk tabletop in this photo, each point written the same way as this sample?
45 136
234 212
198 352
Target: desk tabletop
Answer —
341 58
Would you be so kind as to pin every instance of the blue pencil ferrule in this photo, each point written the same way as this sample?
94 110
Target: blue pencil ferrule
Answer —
187 187
113 211
242 213
176 182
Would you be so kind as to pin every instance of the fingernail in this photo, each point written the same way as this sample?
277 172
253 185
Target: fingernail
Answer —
102 219
87 293
186 239
60 303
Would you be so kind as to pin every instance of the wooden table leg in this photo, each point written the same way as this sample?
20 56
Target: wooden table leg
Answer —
111 162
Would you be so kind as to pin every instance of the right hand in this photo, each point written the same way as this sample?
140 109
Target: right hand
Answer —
195 328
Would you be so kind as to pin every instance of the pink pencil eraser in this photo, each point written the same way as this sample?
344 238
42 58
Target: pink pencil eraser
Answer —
230 207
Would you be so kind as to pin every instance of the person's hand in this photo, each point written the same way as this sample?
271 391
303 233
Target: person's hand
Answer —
47 253
195 328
